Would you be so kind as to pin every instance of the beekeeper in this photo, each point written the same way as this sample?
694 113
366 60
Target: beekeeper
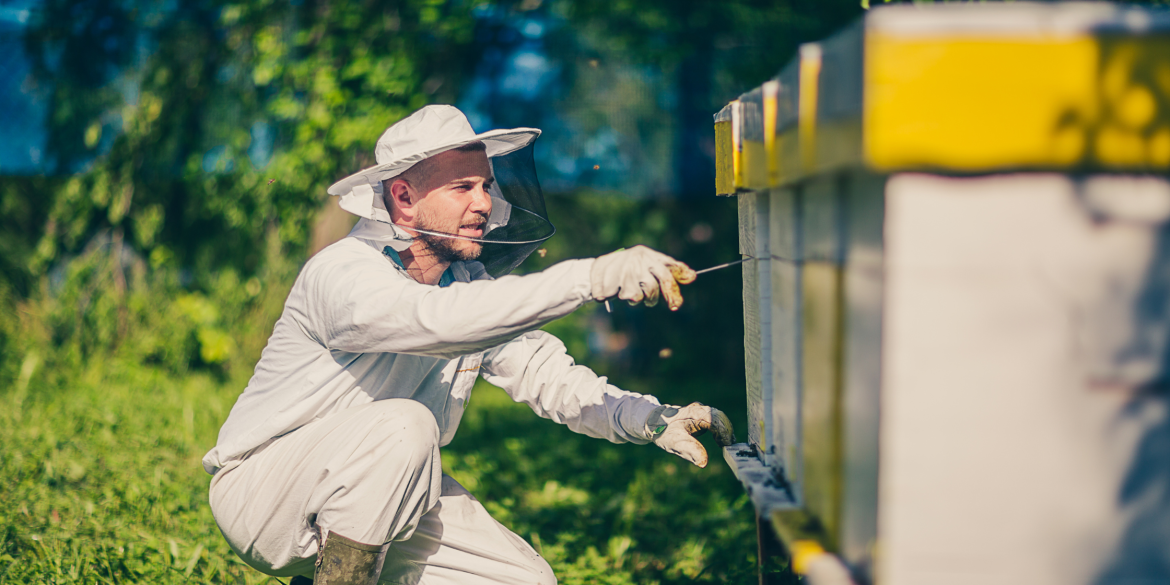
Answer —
328 464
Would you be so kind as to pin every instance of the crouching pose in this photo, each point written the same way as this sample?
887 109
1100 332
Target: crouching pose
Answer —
328 465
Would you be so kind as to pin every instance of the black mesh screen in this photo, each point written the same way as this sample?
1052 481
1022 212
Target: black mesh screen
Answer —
516 175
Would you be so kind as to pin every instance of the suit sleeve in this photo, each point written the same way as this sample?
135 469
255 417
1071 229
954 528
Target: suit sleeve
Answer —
353 308
536 370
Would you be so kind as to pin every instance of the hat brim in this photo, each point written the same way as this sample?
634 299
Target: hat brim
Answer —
497 143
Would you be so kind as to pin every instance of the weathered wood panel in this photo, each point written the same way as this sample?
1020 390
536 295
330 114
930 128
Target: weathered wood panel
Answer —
861 364
753 233
784 237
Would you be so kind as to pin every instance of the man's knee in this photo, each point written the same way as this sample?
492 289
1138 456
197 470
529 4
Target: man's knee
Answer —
396 415
389 476
400 422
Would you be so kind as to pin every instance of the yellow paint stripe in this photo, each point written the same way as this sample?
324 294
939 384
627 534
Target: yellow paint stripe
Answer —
803 553
810 71
724 163
975 104
737 143
771 95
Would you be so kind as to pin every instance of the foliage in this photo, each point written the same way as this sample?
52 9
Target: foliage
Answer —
698 54
744 42
240 117
194 141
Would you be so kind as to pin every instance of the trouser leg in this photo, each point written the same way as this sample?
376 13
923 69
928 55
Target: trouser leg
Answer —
458 543
369 473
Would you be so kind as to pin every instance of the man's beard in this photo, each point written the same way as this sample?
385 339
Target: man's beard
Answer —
446 249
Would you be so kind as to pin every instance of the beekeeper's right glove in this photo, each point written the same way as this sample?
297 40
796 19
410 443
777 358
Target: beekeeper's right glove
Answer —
640 274
674 428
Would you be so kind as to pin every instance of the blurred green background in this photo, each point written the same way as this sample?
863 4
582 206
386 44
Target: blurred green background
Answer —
162 180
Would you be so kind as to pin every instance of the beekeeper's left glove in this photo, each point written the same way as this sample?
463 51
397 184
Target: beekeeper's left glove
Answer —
674 428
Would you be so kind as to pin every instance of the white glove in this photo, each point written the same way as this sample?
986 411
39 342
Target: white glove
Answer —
674 429
638 274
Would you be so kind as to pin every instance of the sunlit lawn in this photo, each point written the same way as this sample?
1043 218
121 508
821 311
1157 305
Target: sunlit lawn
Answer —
102 483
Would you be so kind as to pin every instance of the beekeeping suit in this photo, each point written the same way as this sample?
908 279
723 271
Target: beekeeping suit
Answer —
328 463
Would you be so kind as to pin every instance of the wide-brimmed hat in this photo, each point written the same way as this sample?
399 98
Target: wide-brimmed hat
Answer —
429 131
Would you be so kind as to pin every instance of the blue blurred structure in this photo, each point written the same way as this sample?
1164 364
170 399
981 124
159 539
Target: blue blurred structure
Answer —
22 104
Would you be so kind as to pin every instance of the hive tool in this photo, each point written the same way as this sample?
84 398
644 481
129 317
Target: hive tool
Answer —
698 272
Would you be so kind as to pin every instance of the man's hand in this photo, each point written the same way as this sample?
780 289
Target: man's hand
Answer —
674 429
638 274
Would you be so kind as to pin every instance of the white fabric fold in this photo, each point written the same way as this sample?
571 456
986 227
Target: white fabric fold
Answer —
385 234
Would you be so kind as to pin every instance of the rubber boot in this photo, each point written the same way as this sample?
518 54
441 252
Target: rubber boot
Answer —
342 561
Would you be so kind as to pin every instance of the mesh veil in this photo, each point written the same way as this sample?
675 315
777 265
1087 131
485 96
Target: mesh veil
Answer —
505 247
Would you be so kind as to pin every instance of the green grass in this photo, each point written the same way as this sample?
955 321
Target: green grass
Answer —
102 483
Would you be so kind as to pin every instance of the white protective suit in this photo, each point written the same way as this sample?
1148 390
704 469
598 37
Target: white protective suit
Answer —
322 419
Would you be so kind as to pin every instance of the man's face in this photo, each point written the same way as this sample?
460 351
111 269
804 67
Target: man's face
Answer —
454 200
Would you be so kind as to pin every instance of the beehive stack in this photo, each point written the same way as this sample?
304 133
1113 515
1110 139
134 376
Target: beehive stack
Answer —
958 330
